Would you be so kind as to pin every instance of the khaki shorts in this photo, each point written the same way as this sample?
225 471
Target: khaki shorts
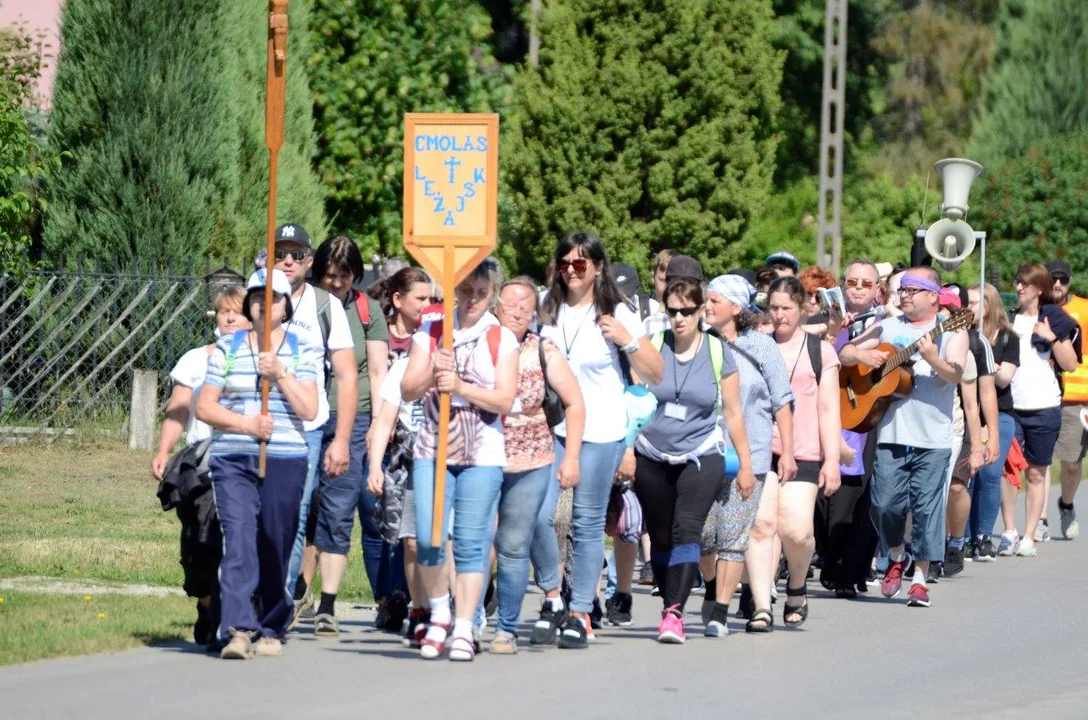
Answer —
1072 440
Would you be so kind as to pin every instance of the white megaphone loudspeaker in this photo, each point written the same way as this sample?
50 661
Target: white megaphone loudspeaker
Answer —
951 240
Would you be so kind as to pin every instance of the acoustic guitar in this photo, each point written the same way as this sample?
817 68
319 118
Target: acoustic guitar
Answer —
866 393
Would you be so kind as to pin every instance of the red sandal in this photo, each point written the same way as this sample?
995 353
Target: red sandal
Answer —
431 649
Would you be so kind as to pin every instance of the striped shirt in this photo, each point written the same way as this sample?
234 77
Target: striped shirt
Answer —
764 390
241 393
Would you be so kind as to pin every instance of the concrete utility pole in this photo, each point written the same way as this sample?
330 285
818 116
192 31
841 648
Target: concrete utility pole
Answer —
534 33
832 110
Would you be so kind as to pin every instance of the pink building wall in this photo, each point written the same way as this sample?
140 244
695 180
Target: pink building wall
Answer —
38 15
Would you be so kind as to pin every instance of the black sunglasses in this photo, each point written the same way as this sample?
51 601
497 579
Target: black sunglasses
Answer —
686 312
296 255
1061 279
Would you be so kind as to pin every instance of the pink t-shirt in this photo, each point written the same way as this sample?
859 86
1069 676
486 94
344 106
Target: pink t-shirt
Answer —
806 407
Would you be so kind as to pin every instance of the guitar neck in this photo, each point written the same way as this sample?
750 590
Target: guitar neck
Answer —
902 356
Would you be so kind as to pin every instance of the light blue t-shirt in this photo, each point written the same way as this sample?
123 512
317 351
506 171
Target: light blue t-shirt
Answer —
924 418
764 390
241 393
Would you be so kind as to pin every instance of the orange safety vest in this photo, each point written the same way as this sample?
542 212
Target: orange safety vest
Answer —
1076 382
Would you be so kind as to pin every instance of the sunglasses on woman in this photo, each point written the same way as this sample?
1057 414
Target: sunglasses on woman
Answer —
579 266
686 312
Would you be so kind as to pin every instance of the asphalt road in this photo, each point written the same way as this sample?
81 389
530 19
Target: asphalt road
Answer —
1003 640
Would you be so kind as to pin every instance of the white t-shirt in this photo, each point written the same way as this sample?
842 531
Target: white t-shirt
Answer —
410 414
189 372
476 436
595 362
306 325
1034 386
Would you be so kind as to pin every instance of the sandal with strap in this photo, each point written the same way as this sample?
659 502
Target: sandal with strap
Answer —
326 625
800 610
765 622
462 650
431 648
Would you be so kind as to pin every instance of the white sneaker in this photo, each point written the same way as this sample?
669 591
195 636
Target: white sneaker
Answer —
1027 548
1042 532
1070 526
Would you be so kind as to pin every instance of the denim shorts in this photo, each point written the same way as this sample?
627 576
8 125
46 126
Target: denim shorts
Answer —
337 497
1037 431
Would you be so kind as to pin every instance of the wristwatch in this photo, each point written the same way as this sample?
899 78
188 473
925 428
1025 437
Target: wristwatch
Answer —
283 373
630 347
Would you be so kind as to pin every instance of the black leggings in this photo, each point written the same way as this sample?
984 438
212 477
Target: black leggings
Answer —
675 502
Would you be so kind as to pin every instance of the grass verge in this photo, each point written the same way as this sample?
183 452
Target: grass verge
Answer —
89 512
38 626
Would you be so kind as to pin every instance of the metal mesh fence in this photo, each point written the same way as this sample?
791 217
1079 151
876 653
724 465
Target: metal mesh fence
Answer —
69 343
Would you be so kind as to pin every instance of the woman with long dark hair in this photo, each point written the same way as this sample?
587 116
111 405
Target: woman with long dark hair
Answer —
1045 333
403 297
586 315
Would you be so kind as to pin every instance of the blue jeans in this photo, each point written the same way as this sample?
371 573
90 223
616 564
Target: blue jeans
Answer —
986 487
910 479
519 504
471 492
598 463
313 440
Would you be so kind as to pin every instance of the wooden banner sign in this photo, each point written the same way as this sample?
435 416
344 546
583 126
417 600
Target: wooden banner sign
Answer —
451 201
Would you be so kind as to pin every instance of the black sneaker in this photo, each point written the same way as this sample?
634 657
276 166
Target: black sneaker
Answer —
619 610
747 602
204 627
574 635
546 628
596 615
646 575
396 612
953 561
933 574
985 549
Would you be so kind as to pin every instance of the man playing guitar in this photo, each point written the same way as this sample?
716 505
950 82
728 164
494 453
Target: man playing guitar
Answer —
914 436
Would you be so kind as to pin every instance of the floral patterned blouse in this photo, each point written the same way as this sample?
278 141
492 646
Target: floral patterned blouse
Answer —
529 441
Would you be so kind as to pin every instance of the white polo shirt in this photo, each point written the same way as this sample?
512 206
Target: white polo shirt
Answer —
305 324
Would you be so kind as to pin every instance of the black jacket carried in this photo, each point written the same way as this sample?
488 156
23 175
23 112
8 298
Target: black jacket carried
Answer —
186 488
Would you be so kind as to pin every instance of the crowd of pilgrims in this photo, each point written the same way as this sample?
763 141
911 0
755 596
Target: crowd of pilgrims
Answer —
697 425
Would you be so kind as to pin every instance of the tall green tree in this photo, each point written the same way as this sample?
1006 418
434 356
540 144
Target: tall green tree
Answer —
1038 86
651 123
152 170
160 109
372 62
938 53
301 196
1034 206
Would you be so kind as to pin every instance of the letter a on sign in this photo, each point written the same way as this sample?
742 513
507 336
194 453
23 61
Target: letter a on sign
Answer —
447 229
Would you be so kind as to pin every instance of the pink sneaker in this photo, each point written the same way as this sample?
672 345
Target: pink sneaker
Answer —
893 579
671 629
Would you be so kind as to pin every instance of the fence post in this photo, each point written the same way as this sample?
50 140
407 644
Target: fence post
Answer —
141 418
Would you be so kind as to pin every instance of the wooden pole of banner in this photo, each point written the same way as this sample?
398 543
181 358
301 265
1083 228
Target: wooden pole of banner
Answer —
450 226
274 111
